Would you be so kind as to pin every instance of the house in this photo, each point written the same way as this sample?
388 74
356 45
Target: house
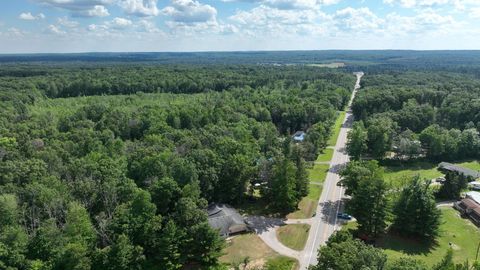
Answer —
466 206
299 136
448 167
470 208
226 220
475 216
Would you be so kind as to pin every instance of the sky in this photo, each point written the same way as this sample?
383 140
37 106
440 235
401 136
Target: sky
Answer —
62 26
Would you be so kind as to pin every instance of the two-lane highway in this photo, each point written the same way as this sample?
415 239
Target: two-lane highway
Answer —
325 222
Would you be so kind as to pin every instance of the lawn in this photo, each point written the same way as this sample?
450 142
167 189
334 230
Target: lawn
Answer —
293 236
472 165
397 175
281 263
308 204
460 232
318 173
326 155
332 141
249 247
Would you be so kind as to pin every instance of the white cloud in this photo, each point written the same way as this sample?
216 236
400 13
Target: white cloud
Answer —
190 11
95 11
291 4
360 20
120 23
55 30
142 8
265 20
147 26
81 8
64 21
29 17
475 13
15 32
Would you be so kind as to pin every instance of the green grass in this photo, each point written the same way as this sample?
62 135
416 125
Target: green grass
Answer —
293 236
308 204
281 263
460 232
332 141
246 246
398 175
318 173
472 165
326 155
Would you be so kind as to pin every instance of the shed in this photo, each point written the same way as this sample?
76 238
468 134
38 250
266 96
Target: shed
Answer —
299 136
226 220
448 167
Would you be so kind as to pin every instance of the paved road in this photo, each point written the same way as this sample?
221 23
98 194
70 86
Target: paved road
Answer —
325 222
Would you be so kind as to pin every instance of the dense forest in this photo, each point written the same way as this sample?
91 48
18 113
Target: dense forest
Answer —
418 114
109 161
112 166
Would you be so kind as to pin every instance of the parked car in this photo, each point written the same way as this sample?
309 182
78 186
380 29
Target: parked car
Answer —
344 216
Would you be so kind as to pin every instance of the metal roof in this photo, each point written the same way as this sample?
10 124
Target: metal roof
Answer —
474 195
455 168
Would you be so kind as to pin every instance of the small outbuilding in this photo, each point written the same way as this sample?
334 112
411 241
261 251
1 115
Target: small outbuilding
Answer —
299 136
448 167
474 185
226 220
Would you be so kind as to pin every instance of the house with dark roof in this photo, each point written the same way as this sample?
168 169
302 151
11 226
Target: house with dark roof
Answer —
469 207
465 206
226 220
448 167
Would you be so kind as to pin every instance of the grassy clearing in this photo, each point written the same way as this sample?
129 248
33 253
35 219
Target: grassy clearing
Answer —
246 247
293 236
460 232
472 165
318 173
328 65
326 155
398 175
308 204
281 263
332 141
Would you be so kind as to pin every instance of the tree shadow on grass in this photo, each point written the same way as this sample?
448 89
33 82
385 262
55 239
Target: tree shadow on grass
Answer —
411 246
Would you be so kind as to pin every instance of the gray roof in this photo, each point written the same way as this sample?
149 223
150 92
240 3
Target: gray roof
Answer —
454 168
225 219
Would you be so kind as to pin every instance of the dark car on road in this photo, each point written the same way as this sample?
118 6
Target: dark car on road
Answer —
344 216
